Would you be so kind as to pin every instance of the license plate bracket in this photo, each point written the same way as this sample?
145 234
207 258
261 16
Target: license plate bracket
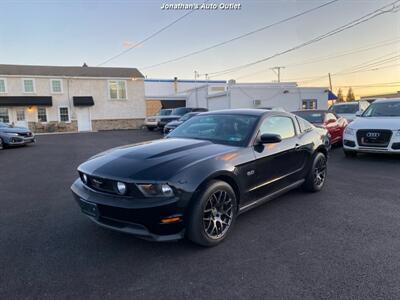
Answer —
89 208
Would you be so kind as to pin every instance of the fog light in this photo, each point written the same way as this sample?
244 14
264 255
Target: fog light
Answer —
121 188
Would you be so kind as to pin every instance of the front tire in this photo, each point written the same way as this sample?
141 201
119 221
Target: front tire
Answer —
150 128
316 176
213 214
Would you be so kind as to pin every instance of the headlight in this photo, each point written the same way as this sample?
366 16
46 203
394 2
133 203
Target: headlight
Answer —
349 131
121 188
12 134
84 178
156 190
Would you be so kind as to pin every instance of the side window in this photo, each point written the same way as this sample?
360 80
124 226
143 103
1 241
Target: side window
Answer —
304 125
278 125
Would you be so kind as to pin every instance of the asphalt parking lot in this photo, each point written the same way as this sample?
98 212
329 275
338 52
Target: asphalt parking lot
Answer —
343 242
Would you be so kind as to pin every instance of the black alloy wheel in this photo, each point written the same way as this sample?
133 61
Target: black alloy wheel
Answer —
218 214
212 214
317 174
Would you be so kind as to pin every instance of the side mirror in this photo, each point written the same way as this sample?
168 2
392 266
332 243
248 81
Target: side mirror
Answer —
359 113
270 138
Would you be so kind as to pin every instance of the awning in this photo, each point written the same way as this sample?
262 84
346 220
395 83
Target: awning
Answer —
331 96
83 100
26 100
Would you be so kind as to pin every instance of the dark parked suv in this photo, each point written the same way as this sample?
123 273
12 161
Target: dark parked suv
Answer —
177 113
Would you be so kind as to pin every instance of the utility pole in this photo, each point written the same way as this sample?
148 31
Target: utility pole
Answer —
330 81
277 71
196 75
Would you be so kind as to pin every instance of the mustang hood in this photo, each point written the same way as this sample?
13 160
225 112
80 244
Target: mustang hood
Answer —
152 161
391 123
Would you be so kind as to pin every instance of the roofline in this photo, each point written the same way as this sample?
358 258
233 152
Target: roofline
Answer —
184 80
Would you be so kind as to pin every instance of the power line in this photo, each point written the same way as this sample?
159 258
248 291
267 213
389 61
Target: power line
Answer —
329 57
148 38
337 30
238 37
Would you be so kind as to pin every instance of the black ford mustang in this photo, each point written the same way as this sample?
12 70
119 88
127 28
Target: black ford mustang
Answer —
203 175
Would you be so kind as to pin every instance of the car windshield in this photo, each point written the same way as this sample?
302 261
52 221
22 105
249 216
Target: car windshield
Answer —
233 130
382 109
312 117
165 112
345 108
180 111
187 117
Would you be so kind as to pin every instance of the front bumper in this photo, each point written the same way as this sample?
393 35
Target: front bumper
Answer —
350 143
152 124
139 217
19 140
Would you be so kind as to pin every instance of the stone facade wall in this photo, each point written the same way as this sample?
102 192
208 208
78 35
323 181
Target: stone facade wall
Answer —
98 125
53 126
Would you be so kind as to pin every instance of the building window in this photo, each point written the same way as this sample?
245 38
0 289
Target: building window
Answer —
28 85
117 89
56 86
20 114
3 86
4 115
64 114
309 104
42 114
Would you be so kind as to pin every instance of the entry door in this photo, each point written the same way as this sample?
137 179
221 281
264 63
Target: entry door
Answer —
83 118
17 116
277 165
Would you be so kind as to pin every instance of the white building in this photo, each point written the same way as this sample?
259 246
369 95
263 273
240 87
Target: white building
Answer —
257 95
171 93
55 98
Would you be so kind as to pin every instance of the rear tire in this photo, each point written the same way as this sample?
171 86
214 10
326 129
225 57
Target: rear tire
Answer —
213 214
316 176
350 154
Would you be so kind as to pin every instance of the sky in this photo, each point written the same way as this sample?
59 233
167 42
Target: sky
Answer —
70 32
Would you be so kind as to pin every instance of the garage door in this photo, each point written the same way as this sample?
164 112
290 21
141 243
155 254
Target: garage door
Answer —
218 103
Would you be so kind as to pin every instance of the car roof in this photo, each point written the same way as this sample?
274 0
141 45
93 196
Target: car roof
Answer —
345 103
244 111
325 111
386 100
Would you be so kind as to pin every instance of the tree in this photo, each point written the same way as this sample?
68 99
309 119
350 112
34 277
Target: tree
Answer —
350 95
340 96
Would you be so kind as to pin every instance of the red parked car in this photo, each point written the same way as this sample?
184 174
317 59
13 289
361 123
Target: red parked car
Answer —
326 119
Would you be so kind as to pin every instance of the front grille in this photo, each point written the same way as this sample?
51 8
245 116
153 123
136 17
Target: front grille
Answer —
374 137
109 186
25 134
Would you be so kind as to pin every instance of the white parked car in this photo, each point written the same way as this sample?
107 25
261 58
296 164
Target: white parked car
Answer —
376 130
152 122
349 110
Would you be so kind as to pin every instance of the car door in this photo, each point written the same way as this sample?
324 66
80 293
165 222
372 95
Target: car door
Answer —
276 165
333 127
